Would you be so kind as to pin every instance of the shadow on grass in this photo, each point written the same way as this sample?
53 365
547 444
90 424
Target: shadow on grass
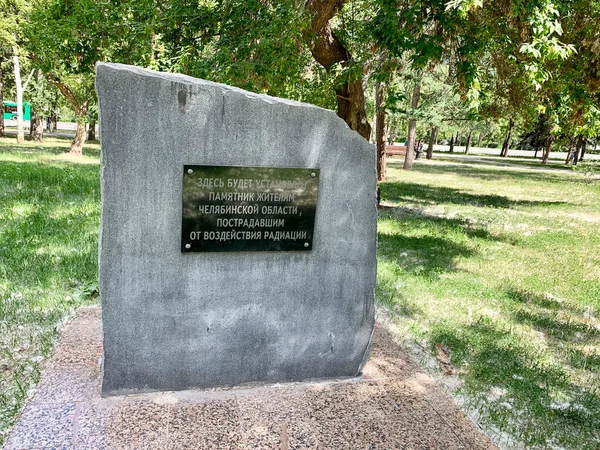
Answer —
50 226
555 318
493 172
535 299
32 179
426 255
556 325
420 193
526 162
497 358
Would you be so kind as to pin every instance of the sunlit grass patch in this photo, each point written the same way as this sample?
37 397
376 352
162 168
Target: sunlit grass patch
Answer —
49 217
499 266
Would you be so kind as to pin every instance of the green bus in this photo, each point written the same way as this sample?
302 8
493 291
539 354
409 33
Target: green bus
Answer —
10 111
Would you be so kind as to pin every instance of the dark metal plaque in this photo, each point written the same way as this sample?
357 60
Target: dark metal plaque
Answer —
230 209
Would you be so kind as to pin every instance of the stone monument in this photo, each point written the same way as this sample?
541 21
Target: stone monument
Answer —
238 236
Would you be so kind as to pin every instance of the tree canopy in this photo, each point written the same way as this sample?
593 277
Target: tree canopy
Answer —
494 62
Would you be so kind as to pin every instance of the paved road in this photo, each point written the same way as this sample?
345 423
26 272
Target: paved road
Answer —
64 126
63 129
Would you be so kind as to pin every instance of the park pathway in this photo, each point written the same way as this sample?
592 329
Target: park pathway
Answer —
392 405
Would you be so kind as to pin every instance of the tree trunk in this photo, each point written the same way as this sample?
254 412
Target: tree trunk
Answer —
19 87
583 148
328 50
479 138
92 131
536 152
432 138
506 144
1 97
451 150
52 119
578 149
76 147
468 146
571 150
546 154
379 130
36 127
412 128
80 109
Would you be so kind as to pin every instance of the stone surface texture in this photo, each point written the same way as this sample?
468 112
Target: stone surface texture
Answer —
392 405
177 321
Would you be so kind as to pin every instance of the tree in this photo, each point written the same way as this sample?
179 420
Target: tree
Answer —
43 97
293 49
328 50
66 39
14 13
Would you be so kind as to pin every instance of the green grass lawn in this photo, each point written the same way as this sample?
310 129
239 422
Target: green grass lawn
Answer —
49 216
501 267
498 264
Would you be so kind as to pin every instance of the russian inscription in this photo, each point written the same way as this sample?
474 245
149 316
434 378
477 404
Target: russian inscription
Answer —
248 208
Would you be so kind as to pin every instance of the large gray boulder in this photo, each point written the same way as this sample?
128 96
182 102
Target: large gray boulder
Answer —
175 320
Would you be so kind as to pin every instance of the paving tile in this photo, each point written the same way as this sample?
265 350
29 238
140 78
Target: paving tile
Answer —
276 418
387 358
87 355
213 424
392 406
43 426
67 385
403 397
85 328
330 402
134 424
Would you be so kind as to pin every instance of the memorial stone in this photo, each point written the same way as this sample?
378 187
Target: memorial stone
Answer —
237 239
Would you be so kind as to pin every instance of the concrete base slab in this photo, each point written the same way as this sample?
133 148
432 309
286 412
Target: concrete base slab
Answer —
392 405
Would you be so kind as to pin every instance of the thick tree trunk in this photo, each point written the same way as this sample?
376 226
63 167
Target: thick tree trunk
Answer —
583 148
80 109
92 131
506 144
52 120
328 50
380 130
1 98
76 147
19 88
36 127
432 139
536 152
546 154
412 128
468 146
451 150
